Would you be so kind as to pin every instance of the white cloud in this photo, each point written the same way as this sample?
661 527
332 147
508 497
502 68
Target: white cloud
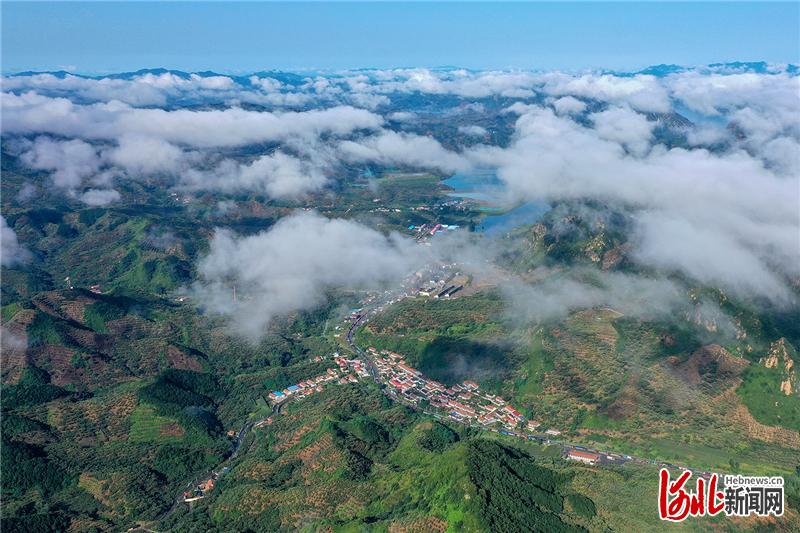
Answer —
402 116
12 341
568 105
98 197
749 211
392 148
27 192
624 126
472 131
512 84
708 253
33 113
643 93
278 175
765 108
558 295
70 162
291 266
145 90
12 253
744 193
141 155
368 101
713 94
782 154
269 85
103 90
144 142
708 134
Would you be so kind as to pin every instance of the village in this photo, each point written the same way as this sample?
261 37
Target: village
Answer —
463 402
348 371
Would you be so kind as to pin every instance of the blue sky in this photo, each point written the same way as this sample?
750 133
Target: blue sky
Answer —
244 37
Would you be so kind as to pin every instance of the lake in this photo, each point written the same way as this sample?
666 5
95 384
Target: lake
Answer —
484 186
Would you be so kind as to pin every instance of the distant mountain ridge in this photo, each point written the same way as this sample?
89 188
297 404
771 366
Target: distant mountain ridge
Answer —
293 77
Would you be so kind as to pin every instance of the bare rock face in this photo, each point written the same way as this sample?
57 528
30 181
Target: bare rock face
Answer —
779 357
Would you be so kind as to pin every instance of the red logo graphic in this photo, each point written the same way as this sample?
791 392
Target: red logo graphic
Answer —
675 503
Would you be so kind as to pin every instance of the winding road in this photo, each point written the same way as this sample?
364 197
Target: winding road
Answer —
197 479
606 458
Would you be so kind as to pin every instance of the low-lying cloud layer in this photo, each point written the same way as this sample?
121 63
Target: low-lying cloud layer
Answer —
715 199
89 133
291 266
720 218
558 295
12 253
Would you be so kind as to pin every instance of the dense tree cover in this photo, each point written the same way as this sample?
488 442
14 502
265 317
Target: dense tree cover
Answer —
582 505
362 439
13 425
189 397
516 494
37 523
176 463
44 330
98 314
267 521
145 497
792 488
27 466
159 275
88 217
358 465
143 477
33 388
438 438
177 389
38 218
110 477
450 340
283 473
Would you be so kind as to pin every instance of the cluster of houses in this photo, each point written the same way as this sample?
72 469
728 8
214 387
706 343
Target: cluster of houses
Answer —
436 292
305 388
96 289
348 372
463 402
200 490
429 230
351 365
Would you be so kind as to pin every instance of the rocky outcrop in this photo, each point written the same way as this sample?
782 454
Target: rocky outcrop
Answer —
780 357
